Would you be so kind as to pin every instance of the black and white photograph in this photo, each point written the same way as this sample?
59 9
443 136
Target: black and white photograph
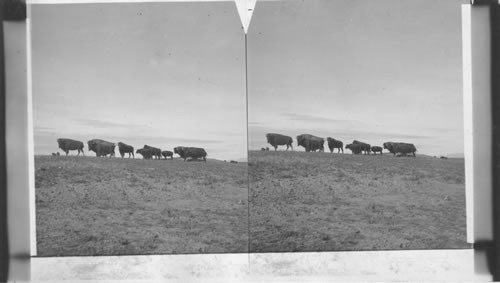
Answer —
139 116
356 128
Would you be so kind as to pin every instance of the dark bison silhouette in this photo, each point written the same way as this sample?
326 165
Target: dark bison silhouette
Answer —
101 147
125 148
355 148
145 152
68 144
167 153
333 143
191 152
278 139
366 148
310 142
376 149
400 148
156 152
388 146
404 148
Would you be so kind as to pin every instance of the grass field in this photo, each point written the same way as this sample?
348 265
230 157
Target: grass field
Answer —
104 206
298 202
330 202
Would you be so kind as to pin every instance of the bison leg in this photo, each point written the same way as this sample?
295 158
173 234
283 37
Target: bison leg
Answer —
67 151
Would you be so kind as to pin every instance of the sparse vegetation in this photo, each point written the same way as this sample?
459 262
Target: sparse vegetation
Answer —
339 202
114 206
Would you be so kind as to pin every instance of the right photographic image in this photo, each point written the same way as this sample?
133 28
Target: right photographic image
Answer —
355 126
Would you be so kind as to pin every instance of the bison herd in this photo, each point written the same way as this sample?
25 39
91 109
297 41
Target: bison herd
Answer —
104 148
313 143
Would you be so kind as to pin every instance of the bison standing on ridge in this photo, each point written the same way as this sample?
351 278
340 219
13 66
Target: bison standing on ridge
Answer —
277 139
366 148
389 146
156 151
167 153
191 152
310 142
376 149
400 147
333 143
68 144
145 152
355 148
404 148
101 147
125 148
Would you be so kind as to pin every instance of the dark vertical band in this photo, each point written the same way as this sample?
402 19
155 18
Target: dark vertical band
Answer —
14 10
10 10
4 243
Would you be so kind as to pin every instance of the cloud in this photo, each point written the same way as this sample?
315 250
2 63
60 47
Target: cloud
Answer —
43 129
316 119
106 124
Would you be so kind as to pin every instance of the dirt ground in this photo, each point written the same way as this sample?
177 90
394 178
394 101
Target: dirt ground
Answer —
114 206
331 202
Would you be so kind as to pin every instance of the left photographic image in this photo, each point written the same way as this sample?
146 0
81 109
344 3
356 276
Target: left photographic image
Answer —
139 120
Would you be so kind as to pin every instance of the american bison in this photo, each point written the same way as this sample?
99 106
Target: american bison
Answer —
101 147
355 148
125 148
376 149
310 142
190 152
333 143
156 151
400 147
277 139
145 152
68 144
167 153
366 148
404 148
388 146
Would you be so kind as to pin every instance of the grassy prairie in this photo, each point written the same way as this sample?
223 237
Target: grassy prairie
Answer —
114 206
330 202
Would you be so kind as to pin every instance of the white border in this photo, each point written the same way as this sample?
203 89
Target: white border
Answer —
31 144
426 265
467 106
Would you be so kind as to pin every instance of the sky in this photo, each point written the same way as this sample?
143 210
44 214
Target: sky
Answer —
169 74
375 71
162 74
